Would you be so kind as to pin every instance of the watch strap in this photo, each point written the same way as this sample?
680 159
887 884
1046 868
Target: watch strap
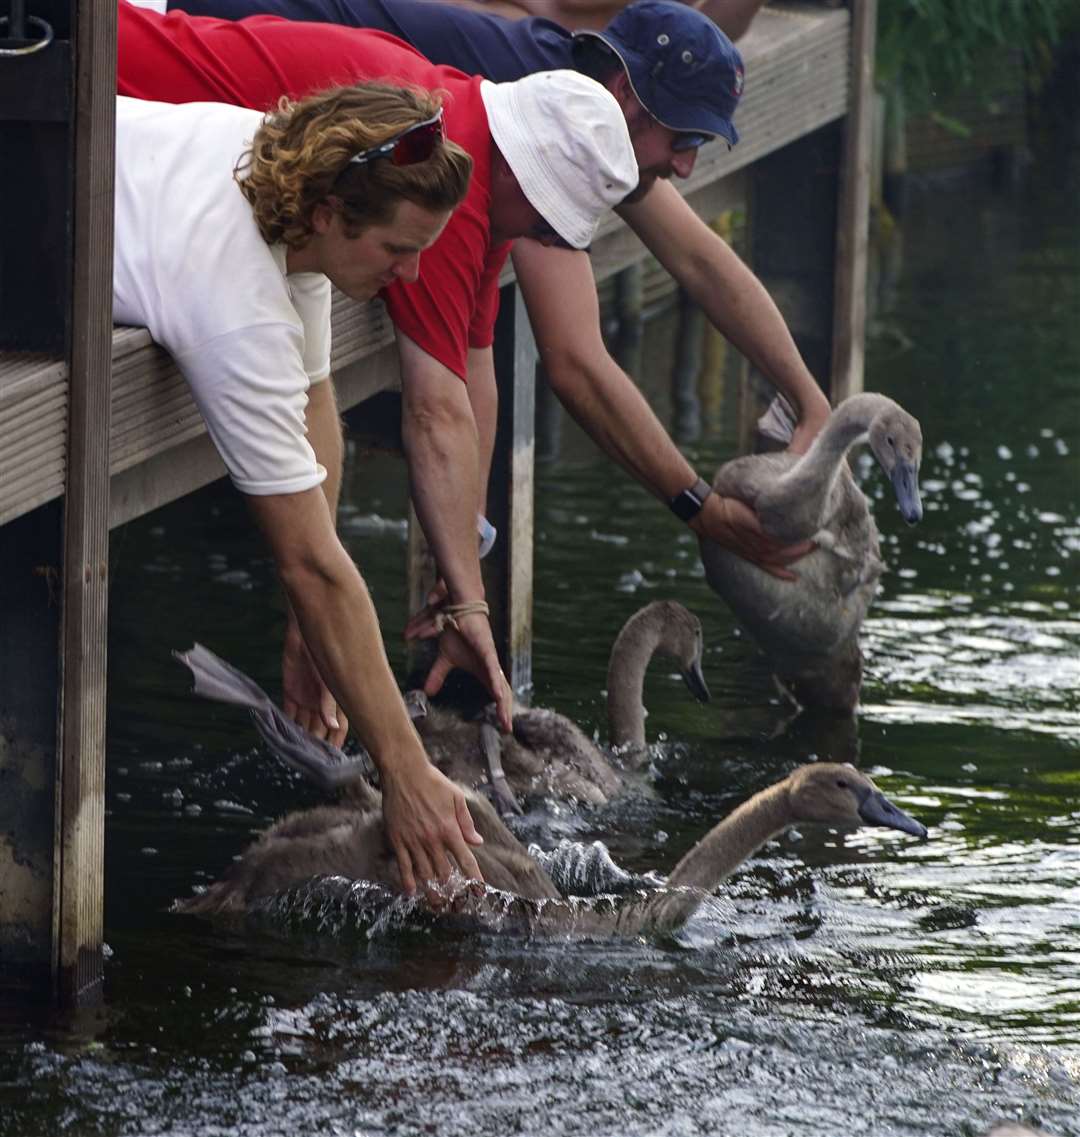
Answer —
687 505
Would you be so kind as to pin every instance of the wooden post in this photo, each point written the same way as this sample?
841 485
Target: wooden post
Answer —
549 418
55 566
30 618
78 892
853 213
629 318
685 371
509 567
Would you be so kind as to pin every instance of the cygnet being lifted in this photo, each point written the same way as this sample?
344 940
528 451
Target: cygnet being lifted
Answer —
809 628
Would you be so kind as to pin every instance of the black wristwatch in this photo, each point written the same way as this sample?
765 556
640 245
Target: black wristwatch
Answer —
687 505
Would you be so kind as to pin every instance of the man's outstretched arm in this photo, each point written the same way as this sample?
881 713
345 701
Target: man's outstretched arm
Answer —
427 820
735 301
733 16
307 699
560 295
442 446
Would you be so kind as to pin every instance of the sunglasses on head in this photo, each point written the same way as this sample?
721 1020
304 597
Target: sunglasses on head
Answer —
416 144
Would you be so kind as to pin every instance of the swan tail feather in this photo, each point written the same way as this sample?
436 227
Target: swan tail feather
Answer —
778 422
327 766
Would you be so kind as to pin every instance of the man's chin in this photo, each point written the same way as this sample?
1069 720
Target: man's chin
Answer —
645 183
362 293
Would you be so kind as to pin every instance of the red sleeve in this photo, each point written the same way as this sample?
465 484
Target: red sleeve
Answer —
482 327
177 58
437 312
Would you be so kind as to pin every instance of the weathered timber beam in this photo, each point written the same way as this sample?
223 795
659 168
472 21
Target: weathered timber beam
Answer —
853 213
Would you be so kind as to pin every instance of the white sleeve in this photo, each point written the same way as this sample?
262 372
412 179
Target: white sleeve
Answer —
251 387
311 297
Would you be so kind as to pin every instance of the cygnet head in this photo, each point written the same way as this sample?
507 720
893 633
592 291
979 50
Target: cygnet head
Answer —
681 638
836 794
896 440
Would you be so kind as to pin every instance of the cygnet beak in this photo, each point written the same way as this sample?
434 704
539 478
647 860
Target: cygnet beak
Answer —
876 809
905 480
694 678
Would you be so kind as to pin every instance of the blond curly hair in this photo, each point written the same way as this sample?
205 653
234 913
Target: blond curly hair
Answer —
300 157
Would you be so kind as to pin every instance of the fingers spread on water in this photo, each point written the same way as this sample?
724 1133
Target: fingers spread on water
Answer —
422 864
328 711
405 867
467 862
466 824
440 863
437 675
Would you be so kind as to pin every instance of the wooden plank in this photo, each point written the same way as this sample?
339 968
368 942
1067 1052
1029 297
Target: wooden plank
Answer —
36 423
163 475
23 372
853 213
78 890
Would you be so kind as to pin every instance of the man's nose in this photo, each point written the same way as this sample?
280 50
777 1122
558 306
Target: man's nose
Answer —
408 268
682 162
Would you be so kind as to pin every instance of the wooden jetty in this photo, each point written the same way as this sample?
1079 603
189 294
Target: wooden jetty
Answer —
97 426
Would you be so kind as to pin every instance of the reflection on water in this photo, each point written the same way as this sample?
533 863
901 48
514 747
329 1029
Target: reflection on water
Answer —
840 983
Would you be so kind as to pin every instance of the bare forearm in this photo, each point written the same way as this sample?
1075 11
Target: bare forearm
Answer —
445 489
575 14
735 301
324 434
442 448
602 398
560 295
341 630
739 306
484 400
332 605
733 17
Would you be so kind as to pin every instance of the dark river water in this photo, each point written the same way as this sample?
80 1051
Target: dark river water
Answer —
838 984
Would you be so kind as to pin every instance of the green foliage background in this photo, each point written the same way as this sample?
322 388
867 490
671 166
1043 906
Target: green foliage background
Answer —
929 48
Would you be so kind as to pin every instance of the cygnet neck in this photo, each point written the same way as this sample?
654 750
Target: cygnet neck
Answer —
634 647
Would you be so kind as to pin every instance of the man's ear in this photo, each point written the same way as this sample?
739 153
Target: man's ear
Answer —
500 168
620 86
322 216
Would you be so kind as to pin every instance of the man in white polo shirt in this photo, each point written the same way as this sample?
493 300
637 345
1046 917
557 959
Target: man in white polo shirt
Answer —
230 231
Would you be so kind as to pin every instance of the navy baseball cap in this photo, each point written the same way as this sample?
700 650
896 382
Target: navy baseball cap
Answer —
685 72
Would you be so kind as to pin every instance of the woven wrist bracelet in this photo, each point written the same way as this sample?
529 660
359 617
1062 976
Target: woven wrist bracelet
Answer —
448 617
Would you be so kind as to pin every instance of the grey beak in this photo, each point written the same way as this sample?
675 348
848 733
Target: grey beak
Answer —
876 809
416 704
694 678
905 481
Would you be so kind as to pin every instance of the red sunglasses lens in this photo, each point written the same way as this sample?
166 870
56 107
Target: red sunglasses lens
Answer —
418 144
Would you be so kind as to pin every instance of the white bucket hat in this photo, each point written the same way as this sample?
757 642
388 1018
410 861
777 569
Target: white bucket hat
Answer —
565 138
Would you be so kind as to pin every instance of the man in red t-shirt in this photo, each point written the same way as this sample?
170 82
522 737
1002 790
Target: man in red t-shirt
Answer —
182 59
551 153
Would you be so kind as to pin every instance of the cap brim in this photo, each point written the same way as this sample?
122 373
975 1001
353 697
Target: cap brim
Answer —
682 115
